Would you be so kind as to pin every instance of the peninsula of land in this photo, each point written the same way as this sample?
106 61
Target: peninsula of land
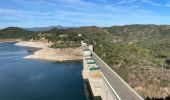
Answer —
51 54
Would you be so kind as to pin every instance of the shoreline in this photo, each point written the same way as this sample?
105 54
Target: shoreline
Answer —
51 54
59 55
9 40
54 61
34 44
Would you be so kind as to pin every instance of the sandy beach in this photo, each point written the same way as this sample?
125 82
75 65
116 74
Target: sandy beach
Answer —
57 54
35 44
9 40
51 54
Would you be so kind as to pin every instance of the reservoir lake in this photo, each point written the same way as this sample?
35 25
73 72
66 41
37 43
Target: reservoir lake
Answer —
23 79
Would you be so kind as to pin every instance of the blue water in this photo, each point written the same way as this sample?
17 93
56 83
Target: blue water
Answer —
23 79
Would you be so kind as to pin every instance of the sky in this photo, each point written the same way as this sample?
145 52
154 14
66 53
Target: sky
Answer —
41 13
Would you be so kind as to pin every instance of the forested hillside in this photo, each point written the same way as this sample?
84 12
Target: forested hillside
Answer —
140 54
16 33
73 37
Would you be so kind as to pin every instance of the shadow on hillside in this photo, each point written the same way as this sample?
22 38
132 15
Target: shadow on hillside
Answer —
167 98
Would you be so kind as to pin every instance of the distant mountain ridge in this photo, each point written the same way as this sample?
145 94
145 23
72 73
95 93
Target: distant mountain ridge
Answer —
47 28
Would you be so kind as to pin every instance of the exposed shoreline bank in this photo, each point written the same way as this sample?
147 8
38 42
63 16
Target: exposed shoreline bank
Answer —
9 40
34 44
51 54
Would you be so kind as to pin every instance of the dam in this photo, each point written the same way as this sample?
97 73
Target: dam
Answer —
103 82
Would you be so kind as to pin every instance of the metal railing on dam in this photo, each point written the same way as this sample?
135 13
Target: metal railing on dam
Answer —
113 86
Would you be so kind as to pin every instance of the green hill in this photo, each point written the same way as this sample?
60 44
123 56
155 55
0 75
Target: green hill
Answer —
140 54
72 37
15 33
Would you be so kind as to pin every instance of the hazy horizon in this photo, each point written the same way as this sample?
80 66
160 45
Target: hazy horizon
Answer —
78 26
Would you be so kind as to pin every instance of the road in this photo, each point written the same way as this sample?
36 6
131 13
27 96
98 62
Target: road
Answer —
124 91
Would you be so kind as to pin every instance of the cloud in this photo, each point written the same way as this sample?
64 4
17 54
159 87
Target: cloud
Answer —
32 3
151 2
11 11
77 12
125 2
167 5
